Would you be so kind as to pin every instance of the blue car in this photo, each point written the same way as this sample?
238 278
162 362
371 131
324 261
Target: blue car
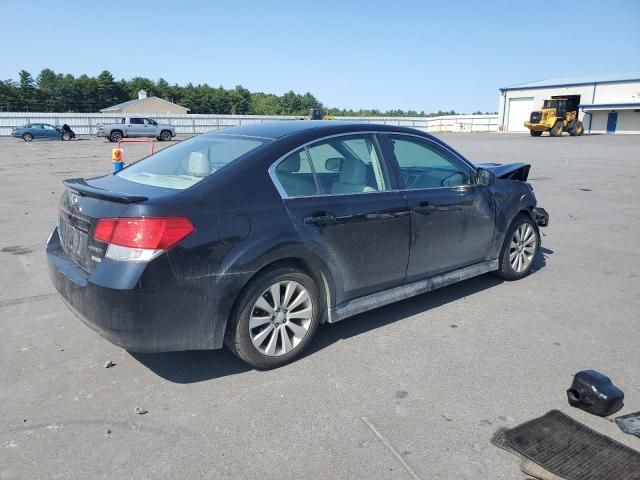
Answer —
37 130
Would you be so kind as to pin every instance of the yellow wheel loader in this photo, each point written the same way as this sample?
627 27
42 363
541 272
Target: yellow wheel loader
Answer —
558 114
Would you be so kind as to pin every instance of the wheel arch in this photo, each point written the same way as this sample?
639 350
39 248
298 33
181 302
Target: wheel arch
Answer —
309 264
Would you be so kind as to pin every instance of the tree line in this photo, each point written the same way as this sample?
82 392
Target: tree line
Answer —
57 92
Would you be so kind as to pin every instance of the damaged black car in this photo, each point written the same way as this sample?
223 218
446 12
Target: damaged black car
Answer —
253 236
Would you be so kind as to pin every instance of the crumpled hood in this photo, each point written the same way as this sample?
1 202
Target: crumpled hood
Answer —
508 171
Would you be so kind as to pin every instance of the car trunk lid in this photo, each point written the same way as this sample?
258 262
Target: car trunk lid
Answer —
85 202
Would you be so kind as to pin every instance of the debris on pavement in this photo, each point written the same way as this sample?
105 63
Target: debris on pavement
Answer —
141 411
629 423
594 393
109 364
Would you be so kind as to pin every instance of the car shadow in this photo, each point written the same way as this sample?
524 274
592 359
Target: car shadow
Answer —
203 365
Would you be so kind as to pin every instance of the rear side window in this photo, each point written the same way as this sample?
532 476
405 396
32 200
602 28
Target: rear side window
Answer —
136 121
188 162
295 176
348 165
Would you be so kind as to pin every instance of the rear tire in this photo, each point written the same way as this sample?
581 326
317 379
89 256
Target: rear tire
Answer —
27 137
535 133
165 136
577 130
519 250
556 130
270 330
115 136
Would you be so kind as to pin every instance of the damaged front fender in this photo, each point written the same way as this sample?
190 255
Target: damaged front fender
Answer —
509 171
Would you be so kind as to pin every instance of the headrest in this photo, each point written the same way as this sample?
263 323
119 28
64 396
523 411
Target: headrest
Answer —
198 165
353 172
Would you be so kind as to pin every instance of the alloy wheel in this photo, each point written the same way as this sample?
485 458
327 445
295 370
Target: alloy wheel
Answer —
522 247
280 318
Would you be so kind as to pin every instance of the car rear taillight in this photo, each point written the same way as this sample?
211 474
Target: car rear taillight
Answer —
141 239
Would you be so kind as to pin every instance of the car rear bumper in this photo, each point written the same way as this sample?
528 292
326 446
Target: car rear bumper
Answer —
169 315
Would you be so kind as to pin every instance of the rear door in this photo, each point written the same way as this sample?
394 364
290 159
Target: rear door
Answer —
136 127
452 218
343 202
37 130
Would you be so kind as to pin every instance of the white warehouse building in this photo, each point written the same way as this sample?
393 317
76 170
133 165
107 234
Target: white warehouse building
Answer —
608 103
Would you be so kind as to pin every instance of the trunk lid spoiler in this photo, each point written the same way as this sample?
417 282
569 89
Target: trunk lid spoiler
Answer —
508 171
80 186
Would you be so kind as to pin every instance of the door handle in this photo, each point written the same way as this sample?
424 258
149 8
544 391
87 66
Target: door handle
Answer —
320 220
424 208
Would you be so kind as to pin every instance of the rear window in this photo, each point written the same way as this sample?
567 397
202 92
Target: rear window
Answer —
185 164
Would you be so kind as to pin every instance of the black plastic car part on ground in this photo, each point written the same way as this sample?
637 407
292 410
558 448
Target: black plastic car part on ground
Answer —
178 251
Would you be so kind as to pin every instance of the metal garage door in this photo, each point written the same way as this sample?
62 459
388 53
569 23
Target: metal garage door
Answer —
519 111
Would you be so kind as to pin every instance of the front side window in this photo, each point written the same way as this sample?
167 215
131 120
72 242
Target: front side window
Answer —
188 162
148 121
424 165
348 165
48 127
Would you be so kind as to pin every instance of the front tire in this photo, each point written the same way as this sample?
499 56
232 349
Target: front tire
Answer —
275 318
27 137
556 130
577 130
519 250
165 135
535 133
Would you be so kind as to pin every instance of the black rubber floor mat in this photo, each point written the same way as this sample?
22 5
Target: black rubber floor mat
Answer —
527 466
630 423
572 450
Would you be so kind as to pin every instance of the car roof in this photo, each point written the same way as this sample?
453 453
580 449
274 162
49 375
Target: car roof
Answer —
279 129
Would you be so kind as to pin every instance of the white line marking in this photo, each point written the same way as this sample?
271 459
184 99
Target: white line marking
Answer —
386 443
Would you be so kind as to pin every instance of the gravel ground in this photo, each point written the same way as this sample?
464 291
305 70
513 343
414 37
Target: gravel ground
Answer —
411 390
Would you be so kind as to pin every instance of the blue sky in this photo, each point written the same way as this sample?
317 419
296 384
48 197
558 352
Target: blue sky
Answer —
407 54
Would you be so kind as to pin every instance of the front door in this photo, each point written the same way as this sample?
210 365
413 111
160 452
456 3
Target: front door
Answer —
338 195
452 218
612 122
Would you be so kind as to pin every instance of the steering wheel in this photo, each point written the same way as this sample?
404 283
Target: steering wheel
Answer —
453 180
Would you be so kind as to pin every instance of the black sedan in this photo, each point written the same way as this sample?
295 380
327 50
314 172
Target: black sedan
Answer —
255 235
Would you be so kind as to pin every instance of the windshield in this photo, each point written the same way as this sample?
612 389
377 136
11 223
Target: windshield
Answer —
550 104
188 162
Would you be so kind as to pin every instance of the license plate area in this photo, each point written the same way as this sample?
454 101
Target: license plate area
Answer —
74 235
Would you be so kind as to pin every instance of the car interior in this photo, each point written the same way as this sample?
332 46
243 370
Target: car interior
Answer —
338 169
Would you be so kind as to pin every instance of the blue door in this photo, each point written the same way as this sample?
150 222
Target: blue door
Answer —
612 121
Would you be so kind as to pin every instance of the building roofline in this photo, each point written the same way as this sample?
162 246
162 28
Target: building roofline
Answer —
136 101
558 82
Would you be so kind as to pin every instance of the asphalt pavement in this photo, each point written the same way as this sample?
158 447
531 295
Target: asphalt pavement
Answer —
411 390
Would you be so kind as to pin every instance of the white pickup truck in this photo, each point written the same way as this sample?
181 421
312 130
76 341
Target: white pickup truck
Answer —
136 127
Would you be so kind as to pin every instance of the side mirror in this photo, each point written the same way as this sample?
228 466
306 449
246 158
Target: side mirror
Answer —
485 177
333 164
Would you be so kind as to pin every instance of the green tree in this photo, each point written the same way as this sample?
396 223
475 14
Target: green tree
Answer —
240 101
27 91
9 96
106 90
48 94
